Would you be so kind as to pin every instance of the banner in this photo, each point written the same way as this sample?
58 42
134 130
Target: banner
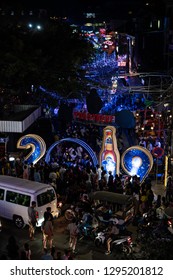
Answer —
95 118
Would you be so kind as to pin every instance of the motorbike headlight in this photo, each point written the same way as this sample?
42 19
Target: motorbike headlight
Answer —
129 240
169 223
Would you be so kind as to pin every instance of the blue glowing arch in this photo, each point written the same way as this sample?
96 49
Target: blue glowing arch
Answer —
77 141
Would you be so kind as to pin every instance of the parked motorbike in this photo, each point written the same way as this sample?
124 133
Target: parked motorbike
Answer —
87 232
122 243
104 222
100 238
75 211
70 214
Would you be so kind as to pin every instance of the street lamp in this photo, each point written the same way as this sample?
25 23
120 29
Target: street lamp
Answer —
38 27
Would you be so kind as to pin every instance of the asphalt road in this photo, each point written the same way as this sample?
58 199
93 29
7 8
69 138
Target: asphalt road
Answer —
86 249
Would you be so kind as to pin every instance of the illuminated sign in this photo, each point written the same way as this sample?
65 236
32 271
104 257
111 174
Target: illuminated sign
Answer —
96 118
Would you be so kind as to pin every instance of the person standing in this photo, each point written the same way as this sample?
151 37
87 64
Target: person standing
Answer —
149 146
157 143
111 182
47 229
37 176
31 171
142 143
32 214
48 213
73 230
169 187
25 172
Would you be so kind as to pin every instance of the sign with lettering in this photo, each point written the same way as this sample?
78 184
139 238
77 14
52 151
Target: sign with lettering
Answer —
95 118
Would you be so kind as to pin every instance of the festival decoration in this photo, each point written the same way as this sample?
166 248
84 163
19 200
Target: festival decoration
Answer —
109 156
158 152
137 160
77 141
36 144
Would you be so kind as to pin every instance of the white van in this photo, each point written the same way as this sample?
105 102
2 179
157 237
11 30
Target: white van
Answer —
16 195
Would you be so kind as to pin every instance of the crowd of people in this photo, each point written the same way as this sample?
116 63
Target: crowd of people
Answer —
75 185
72 173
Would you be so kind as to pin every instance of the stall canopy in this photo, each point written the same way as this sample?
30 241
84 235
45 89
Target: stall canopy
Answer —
111 197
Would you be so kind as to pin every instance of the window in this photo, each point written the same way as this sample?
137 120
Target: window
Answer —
18 198
46 197
2 194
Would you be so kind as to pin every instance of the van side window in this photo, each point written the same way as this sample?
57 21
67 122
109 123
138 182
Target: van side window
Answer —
46 197
18 198
1 194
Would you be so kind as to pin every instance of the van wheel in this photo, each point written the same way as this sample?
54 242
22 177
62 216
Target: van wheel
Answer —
18 221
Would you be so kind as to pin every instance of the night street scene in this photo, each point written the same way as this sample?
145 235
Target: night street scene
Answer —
86 130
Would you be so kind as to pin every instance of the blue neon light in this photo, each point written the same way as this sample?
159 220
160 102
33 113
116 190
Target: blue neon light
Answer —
74 140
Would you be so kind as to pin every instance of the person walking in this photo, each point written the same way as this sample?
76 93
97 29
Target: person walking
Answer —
73 231
47 230
142 143
32 214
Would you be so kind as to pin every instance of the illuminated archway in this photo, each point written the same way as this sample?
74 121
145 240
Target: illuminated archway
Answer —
74 140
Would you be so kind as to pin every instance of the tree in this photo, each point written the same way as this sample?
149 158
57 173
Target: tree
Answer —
51 57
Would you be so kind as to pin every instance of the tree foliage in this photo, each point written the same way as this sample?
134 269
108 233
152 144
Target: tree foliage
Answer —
51 57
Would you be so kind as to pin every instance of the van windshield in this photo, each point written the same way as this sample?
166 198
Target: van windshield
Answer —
46 197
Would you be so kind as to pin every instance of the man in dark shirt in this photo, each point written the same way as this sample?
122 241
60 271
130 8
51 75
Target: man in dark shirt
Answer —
32 214
48 213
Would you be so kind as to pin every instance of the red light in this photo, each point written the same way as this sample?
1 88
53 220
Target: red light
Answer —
129 240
